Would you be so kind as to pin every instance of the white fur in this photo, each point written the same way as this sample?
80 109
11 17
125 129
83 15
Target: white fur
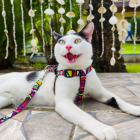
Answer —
14 88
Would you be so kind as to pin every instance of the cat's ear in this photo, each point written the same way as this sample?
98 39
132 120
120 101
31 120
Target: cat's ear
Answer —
56 35
87 31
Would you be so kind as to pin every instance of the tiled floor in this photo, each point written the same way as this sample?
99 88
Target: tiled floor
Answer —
43 123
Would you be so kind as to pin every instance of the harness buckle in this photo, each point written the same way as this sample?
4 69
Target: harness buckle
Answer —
69 73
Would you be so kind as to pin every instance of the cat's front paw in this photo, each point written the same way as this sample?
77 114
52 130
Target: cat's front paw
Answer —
105 133
100 131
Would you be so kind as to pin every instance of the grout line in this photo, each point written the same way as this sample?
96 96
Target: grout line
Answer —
40 109
23 132
105 111
72 132
35 109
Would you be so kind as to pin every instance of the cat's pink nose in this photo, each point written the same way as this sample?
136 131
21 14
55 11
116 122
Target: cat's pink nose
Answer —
68 47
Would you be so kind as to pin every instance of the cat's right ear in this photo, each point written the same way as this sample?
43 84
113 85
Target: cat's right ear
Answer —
87 31
56 35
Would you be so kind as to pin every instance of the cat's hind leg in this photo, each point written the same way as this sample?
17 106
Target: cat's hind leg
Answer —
5 101
111 99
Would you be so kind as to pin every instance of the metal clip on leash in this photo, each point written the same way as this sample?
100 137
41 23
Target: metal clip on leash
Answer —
45 73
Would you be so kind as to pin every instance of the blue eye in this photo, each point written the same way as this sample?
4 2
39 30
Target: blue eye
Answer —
77 41
62 42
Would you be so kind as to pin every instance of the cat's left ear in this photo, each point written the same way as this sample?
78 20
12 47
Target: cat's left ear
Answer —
87 31
56 35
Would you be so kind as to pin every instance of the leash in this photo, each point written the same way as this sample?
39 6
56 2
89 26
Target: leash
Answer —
27 100
68 73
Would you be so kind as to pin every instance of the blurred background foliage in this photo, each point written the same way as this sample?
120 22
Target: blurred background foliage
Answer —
133 26
100 64
37 25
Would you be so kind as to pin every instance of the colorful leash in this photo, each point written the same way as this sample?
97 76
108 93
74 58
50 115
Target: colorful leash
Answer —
27 100
24 104
68 73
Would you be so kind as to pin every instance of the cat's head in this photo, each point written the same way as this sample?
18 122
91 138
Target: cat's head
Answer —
75 50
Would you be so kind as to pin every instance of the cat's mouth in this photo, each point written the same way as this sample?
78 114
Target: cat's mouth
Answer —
71 57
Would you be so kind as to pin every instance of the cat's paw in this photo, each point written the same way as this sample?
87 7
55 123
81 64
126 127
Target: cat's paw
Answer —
100 131
134 110
105 133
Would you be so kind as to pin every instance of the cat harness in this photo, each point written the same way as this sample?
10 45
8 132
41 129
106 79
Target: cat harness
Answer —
68 73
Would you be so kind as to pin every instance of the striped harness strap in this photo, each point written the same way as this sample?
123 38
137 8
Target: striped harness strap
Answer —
68 73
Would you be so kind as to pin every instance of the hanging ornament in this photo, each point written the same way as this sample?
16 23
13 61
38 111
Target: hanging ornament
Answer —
62 30
50 12
102 19
32 31
14 32
3 13
12 2
34 50
41 1
121 50
70 15
112 61
62 20
122 36
113 8
80 21
34 47
61 2
5 30
41 7
23 29
90 17
102 10
113 20
134 4
31 13
91 6
122 33
80 1
61 11
71 32
33 41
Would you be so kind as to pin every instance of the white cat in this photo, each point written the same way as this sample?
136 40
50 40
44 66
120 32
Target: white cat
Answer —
73 51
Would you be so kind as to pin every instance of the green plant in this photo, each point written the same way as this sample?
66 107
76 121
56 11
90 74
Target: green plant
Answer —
133 26
133 68
22 58
38 65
